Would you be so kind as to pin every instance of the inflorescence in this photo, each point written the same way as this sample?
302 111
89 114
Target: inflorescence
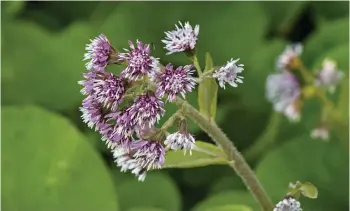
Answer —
289 203
126 108
292 85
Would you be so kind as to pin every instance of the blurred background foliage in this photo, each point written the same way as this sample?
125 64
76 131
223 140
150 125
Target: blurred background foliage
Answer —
52 161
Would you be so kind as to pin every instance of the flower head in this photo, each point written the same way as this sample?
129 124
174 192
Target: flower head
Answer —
142 156
292 112
183 38
180 140
288 204
140 63
175 81
99 51
147 109
286 59
321 132
283 90
92 113
229 74
105 87
123 127
114 141
329 76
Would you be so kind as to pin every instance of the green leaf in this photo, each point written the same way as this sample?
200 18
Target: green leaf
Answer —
226 199
219 32
54 71
226 183
157 191
11 9
324 164
208 92
231 208
205 154
309 190
261 64
47 160
331 10
145 209
266 139
306 189
343 102
283 15
232 15
128 14
330 34
339 53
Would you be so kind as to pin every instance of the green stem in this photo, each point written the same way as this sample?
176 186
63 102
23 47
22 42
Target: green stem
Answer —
308 77
236 160
196 64
322 95
170 122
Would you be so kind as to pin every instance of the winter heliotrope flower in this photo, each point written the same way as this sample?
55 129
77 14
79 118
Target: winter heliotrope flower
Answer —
229 74
175 81
180 140
329 76
99 52
92 113
321 132
183 38
147 109
288 204
140 63
105 87
283 91
142 156
286 60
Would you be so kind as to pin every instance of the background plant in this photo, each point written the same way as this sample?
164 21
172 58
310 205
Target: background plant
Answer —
51 36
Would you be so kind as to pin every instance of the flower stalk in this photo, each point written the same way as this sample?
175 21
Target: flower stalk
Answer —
196 65
236 160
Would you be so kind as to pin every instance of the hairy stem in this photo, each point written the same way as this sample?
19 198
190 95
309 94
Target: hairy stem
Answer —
237 161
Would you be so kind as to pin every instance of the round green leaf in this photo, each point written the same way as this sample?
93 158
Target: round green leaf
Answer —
327 36
44 68
302 159
158 191
49 165
227 198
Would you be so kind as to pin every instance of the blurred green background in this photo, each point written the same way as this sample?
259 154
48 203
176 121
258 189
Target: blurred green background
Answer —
52 161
